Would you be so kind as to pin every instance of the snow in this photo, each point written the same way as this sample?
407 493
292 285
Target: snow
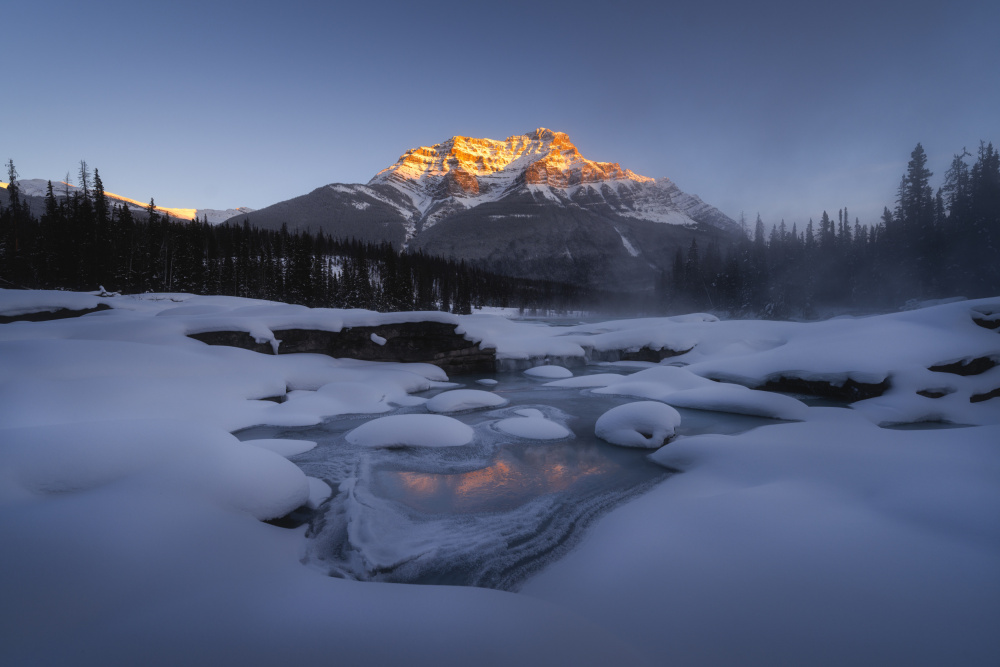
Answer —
131 515
414 430
319 491
643 424
549 371
681 388
823 542
488 382
532 424
459 400
378 340
283 446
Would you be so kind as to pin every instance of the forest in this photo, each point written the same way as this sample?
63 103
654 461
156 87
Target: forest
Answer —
930 245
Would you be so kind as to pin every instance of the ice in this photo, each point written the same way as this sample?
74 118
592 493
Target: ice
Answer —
549 371
459 400
414 430
642 424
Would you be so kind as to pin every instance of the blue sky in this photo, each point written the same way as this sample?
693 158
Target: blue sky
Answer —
782 108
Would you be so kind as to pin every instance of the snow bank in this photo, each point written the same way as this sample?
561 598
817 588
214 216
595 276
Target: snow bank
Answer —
412 431
682 388
802 543
464 399
644 424
171 456
130 515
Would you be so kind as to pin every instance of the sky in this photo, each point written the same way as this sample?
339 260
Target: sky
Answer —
785 109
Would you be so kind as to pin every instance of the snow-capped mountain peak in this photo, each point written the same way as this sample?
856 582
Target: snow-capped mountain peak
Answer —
469 166
464 172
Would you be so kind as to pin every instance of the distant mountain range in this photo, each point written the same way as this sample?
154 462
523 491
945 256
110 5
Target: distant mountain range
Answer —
530 205
34 189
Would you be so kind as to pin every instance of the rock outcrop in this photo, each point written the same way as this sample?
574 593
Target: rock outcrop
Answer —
428 342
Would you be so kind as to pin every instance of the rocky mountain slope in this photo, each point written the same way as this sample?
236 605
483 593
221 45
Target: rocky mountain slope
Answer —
531 205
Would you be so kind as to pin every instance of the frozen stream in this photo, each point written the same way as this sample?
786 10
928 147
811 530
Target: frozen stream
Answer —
486 514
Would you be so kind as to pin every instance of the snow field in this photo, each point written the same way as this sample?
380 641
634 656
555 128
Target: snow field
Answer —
131 515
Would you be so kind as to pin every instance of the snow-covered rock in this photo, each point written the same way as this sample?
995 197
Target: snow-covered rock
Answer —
646 424
459 400
532 424
549 372
412 431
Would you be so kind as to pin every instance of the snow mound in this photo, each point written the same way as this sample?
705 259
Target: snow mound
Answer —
412 431
167 455
489 382
644 424
464 399
533 425
549 372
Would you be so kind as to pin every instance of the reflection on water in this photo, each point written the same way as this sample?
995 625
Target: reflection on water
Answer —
518 475
486 514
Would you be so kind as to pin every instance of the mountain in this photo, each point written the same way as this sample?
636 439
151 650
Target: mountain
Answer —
34 190
530 205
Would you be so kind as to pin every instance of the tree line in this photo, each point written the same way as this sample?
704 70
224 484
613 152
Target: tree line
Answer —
931 245
83 241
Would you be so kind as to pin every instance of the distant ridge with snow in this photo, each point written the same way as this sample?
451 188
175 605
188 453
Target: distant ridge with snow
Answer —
36 187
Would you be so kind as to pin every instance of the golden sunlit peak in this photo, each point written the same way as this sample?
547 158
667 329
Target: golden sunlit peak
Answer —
464 167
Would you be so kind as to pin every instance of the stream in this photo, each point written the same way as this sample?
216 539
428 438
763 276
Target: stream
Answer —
486 514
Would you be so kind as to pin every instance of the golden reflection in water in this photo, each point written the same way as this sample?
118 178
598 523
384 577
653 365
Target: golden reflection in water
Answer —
535 473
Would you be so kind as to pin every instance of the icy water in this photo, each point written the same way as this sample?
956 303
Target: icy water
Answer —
487 514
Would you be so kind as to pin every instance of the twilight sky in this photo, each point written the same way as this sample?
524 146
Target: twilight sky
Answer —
782 108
